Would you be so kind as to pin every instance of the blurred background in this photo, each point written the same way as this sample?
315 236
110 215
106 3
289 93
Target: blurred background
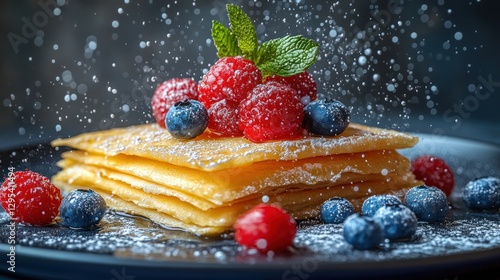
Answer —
419 66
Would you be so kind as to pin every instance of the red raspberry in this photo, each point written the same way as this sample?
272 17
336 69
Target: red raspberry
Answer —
272 111
30 198
266 228
434 172
223 119
168 93
229 78
304 83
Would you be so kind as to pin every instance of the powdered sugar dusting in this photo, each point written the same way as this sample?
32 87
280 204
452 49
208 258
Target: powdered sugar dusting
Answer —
134 237
211 152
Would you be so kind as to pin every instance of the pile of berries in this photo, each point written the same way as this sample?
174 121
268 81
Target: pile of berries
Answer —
261 91
236 101
385 216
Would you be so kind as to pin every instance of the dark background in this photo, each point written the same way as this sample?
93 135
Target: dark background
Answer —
73 66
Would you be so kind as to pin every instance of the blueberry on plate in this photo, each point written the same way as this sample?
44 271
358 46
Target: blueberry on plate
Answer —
374 202
482 194
335 210
397 221
362 232
186 119
429 203
326 117
82 208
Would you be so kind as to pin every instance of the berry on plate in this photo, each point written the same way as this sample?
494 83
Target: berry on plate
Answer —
397 221
362 232
265 228
82 208
374 202
482 193
429 203
434 171
335 210
304 83
272 111
170 92
187 119
30 198
326 117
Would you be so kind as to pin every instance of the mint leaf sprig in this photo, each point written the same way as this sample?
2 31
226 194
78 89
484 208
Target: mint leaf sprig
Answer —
285 56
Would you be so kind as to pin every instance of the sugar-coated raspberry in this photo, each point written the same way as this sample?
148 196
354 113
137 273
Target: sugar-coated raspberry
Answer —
304 83
272 111
223 118
30 198
168 93
434 171
265 228
230 78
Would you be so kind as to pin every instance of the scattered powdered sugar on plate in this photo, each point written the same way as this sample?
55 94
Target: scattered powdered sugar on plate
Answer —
462 232
133 237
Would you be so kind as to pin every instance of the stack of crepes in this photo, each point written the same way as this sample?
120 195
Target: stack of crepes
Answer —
204 184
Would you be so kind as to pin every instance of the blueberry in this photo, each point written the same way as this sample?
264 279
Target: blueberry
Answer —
82 208
186 119
482 193
362 232
326 117
335 210
429 203
397 221
374 202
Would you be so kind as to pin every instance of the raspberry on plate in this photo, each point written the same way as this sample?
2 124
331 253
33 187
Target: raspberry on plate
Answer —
434 171
265 228
168 93
30 198
230 78
272 111
304 83
482 193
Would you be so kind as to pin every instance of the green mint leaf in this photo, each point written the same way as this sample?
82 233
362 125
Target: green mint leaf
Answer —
286 56
225 42
242 27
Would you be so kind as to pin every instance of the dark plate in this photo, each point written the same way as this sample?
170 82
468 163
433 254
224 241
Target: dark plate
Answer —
134 248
